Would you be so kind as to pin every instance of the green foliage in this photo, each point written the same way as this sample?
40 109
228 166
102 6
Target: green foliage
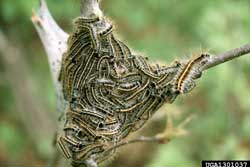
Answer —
11 138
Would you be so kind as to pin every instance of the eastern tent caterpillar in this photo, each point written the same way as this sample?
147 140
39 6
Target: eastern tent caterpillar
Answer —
112 92
184 81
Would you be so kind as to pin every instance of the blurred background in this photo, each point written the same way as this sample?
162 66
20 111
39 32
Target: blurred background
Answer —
164 30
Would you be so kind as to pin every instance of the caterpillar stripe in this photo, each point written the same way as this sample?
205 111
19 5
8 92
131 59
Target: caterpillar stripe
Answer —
188 73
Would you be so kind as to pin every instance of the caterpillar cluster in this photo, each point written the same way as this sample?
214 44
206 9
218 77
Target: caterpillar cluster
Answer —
110 91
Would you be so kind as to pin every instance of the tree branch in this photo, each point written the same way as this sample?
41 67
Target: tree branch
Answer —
227 56
54 40
53 37
90 8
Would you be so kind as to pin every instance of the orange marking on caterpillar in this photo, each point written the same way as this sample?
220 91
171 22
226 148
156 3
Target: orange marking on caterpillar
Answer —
187 69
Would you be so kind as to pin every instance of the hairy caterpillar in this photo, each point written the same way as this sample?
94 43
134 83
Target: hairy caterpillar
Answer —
110 91
189 71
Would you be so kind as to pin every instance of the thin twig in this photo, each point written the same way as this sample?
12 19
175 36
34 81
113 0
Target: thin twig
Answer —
227 56
162 138
153 139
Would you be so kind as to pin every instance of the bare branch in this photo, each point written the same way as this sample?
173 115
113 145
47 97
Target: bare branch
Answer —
54 40
227 56
53 37
90 8
163 138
